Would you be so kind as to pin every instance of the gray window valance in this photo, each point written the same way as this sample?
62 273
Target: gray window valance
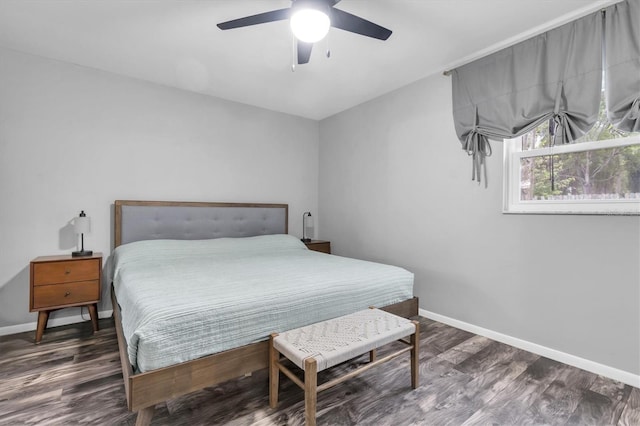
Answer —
556 75
622 65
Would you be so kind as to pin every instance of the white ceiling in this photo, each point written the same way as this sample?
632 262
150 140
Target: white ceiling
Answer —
176 43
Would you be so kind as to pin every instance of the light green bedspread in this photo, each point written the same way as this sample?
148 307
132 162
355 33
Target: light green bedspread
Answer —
181 300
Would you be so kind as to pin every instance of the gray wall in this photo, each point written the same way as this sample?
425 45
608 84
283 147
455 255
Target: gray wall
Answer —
396 187
73 138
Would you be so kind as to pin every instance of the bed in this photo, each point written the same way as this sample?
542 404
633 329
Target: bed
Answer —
230 274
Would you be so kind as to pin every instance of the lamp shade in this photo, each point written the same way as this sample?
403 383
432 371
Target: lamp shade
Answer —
308 221
82 225
310 25
307 226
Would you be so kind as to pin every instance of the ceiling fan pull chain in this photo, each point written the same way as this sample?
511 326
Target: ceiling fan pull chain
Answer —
328 47
293 53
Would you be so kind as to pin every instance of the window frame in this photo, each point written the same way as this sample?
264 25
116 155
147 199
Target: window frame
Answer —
511 181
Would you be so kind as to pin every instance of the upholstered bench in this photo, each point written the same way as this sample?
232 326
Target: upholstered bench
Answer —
322 345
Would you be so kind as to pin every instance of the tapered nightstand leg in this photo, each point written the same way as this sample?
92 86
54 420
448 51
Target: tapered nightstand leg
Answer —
93 312
43 318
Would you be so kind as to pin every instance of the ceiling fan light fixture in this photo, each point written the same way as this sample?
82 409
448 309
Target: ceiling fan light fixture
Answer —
310 25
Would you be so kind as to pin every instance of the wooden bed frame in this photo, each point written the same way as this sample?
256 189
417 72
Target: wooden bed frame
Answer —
145 390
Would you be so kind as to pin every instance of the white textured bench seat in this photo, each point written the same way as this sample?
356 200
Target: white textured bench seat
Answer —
322 345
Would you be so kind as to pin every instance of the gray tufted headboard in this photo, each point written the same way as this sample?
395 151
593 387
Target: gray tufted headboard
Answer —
152 220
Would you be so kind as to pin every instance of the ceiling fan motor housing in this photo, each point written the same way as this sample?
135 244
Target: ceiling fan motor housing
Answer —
323 6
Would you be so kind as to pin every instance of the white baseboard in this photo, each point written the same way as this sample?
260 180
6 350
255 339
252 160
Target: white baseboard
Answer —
53 322
575 361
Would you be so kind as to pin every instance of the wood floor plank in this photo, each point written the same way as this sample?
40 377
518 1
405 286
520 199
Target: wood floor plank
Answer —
460 406
29 401
410 406
610 388
54 378
465 349
591 410
609 410
559 401
556 404
634 397
492 354
447 339
629 417
515 399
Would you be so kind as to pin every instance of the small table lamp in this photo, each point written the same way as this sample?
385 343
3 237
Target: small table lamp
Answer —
82 225
307 226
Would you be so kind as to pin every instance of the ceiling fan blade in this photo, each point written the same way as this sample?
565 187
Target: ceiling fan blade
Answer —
304 52
355 24
260 18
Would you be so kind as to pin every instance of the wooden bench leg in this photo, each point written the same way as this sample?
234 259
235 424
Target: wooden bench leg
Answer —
310 391
274 372
415 356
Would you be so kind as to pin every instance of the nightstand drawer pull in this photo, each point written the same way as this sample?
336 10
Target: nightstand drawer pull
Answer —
67 271
67 293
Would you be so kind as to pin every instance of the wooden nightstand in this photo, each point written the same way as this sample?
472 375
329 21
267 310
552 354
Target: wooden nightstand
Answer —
319 245
59 282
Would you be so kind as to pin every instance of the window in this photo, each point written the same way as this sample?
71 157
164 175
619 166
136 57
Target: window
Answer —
597 174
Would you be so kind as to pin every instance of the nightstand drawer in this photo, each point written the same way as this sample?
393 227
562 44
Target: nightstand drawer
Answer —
63 272
45 296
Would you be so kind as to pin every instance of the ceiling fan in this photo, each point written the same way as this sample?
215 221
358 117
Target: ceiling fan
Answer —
310 21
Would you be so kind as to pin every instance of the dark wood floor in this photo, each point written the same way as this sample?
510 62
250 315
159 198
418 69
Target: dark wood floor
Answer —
74 377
